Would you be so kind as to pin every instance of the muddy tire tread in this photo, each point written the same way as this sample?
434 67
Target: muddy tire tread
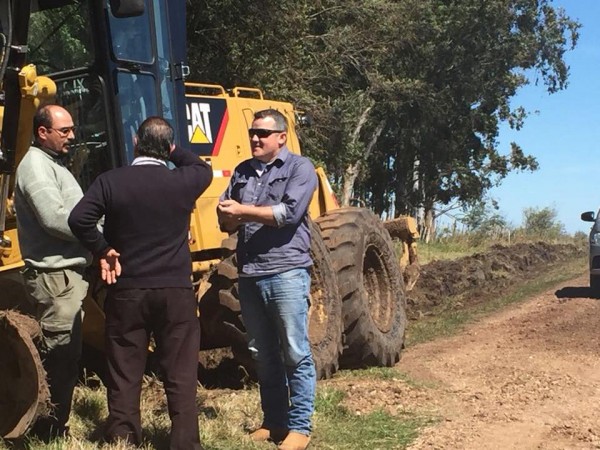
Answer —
347 232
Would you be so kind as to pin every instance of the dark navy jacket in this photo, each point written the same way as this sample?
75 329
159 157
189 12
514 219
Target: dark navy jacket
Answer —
147 217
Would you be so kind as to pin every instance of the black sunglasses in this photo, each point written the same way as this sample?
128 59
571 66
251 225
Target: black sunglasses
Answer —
262 133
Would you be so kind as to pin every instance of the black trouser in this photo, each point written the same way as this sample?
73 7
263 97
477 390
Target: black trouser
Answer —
170 315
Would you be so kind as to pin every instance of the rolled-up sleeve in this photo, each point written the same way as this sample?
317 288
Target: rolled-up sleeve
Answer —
298 193
279 214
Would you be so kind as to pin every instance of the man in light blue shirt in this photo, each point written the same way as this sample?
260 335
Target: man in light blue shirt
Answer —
267 203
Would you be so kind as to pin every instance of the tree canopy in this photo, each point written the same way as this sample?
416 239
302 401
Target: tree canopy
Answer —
407 96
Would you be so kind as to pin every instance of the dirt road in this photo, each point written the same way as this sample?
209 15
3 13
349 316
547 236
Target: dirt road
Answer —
526 378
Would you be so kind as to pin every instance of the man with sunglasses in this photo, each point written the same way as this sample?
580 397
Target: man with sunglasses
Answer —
45 193
266 203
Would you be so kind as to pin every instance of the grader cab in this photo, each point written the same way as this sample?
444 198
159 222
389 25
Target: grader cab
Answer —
112 63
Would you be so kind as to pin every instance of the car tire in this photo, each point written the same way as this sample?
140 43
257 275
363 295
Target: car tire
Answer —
595 286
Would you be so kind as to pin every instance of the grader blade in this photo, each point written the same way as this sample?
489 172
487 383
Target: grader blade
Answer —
404 228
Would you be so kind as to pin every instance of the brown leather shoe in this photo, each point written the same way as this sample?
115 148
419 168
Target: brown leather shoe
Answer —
295 441
264 434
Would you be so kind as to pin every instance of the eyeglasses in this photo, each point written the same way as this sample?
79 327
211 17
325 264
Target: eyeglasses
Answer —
262 133
64 131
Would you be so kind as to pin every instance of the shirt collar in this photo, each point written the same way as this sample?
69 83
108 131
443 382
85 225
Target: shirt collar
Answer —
148 161
51 153
282 156
56 157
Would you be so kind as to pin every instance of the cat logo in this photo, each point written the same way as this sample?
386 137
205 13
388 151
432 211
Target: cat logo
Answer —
198 124
207 119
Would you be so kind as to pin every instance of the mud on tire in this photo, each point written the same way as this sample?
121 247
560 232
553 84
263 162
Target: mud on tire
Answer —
325 324
222 324
23 388
371 287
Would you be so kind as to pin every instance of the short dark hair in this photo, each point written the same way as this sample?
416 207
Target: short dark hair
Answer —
42 118
280 120
154 138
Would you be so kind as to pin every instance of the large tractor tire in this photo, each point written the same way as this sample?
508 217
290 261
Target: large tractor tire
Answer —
325 324
24 392
222 324
371 287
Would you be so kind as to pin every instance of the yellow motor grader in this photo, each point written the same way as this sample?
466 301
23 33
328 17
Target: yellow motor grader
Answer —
112 63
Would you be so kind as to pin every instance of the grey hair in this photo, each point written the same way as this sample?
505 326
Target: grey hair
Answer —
280 120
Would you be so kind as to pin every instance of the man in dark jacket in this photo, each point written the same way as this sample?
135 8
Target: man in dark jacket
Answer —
144 257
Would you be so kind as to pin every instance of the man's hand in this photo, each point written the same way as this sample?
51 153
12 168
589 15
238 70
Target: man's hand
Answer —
232 214
229 213
231 209
110 267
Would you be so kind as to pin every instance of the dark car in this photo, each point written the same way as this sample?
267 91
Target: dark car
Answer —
594 240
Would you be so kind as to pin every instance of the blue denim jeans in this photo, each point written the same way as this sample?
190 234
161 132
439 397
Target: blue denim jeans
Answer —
275 313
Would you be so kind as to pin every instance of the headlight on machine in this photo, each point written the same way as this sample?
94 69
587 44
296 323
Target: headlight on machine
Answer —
595 238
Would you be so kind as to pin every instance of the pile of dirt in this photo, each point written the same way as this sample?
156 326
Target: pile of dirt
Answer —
473 279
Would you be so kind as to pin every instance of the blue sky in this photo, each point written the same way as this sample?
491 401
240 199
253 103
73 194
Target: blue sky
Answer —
563 135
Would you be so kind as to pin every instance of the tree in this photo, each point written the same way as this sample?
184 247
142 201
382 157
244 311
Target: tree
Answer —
407 96
472 59
60 39
542 222
483 218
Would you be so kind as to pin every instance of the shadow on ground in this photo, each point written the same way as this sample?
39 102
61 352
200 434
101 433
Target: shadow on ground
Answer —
575 292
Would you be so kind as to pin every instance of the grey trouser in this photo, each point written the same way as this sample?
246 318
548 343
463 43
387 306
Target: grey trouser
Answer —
57 296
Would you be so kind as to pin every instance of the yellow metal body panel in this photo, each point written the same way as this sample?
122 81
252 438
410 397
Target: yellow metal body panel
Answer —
10 258
34 90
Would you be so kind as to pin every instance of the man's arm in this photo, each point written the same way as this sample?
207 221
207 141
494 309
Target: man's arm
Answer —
83 222
233 213
298 193
37 183
84 218
195 172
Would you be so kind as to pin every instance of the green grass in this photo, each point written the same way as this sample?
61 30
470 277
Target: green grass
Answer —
337 428
373 373
440 250
226 418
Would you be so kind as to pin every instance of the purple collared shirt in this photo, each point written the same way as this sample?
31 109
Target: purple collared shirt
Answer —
287 185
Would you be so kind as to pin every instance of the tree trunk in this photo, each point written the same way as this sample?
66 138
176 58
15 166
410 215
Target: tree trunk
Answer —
353 170
429 223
